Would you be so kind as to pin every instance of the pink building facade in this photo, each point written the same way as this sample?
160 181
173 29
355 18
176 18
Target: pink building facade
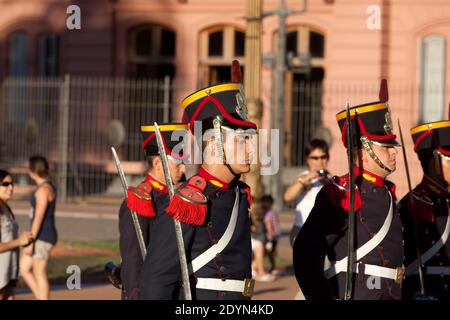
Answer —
350 46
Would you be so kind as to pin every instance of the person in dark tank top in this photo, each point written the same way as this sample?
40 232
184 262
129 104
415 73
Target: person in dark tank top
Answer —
33 263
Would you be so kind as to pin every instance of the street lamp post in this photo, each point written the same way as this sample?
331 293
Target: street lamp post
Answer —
282 13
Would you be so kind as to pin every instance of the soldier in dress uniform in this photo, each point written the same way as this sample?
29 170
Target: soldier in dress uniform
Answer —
320 250
148 200
425 214
212 206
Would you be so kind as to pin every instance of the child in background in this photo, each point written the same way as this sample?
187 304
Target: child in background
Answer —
272 230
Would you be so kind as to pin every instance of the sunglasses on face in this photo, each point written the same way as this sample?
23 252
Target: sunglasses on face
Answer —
7 184
319 158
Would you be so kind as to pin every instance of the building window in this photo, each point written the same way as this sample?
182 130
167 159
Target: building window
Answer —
432 78
215 44
151 62
151 52
239 44
18 54
305 50
48 55
316 44
219 46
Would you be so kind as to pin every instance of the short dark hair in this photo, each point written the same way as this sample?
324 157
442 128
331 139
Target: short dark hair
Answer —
267 199
316 144
39 165
3 174
150 161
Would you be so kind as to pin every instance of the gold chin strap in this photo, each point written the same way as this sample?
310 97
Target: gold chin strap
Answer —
437 155
443 156
217 124
367 145
218 137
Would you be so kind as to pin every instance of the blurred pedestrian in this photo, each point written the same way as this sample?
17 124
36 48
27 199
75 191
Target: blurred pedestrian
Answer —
308 184
9 240
33 264
272 231
259 272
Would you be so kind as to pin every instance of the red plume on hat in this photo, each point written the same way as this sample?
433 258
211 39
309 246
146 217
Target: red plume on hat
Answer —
384 94
236 74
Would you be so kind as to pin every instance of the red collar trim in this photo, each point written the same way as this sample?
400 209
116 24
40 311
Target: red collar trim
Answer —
213 180
434 187
156 184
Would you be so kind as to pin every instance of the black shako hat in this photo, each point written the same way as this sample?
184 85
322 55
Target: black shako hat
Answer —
224 101
432 135
172 134
372 120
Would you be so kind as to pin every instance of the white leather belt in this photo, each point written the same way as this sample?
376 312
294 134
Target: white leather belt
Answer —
414 266
382 272
212 252
243 286
337 267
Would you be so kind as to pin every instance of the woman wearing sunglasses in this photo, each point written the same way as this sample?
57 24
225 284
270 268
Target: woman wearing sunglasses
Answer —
308 184
9 240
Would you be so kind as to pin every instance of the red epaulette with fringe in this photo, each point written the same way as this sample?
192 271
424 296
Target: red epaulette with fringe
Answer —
247 190
139 200
189 204
337 191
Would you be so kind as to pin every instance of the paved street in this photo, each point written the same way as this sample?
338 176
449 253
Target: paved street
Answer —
99 222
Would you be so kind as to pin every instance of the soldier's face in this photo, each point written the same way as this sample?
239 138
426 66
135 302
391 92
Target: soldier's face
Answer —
446 169
387 156
177 170
239 148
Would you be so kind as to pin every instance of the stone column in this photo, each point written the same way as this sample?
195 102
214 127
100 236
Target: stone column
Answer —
252 87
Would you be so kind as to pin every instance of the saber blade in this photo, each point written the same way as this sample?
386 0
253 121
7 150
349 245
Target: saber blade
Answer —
137 226
351 211
178 230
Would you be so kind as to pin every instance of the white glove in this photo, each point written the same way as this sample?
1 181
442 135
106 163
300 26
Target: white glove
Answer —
269 246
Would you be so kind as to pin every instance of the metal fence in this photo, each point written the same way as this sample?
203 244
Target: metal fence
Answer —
308 118
74 121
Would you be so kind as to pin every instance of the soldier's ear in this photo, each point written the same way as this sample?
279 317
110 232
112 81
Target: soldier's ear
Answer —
156 162
363 157
211 145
